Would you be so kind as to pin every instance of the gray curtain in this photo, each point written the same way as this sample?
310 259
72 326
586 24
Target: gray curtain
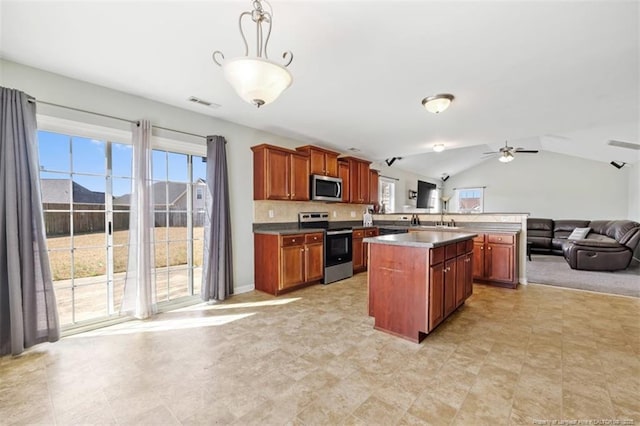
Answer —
217 266
28 313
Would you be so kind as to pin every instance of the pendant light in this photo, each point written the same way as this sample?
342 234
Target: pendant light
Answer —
256 79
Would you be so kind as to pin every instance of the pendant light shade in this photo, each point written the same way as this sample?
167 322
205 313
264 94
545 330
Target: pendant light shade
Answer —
256 80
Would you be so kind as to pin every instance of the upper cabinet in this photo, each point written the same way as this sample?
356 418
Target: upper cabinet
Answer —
280 173
374 177
359 180
343 173
321 161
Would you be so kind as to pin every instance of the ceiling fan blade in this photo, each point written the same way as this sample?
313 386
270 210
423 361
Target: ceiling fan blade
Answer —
527 151
491 153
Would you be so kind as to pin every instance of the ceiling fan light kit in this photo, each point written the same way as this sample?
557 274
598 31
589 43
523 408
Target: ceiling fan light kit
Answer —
256 79
439 147
437 103
506 157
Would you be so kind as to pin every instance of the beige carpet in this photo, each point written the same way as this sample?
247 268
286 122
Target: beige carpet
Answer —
555 271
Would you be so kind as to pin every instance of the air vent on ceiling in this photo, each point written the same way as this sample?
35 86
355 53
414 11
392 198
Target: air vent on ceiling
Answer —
627 145
352 149
202 102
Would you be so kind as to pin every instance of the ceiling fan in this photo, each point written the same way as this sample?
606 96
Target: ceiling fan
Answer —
506 152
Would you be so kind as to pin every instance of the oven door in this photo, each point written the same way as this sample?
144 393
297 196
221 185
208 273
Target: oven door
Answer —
338 247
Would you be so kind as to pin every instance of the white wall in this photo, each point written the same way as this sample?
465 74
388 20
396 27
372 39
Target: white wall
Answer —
74 93
406 181
550 185
633 170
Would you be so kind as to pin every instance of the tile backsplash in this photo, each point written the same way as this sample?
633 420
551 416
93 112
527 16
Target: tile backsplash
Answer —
267 211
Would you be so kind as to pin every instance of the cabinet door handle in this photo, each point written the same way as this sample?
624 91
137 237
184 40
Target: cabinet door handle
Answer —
481 248
489 248
301 249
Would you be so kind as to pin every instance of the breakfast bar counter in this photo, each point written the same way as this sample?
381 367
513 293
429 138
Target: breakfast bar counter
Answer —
416 280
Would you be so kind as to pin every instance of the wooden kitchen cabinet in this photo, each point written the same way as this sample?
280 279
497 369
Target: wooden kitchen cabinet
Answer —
495 259
359 180
436 295
374 178
343 173
286 262
412 289
360 250
321 161
280 174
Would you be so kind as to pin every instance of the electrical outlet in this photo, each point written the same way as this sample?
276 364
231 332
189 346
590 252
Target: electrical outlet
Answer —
335 213
404 217
353 214
271 214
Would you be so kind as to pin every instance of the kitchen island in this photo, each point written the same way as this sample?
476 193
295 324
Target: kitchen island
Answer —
418 279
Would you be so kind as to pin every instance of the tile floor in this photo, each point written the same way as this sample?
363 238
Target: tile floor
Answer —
312 357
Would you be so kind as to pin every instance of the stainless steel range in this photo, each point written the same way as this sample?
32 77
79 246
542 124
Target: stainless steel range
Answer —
338 245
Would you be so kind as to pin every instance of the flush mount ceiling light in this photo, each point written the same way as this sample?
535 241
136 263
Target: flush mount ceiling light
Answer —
439 147
506 157
437 103
256 79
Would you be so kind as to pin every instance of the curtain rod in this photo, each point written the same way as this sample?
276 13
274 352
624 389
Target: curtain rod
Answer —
34 100
469 187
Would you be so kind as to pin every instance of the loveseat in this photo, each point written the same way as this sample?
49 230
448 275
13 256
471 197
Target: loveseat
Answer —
607 246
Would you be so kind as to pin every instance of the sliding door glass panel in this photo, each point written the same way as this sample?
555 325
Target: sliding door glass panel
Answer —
54 152
77 201
90 300
88 156
200 198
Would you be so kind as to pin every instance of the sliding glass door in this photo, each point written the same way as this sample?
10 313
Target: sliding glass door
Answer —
86 185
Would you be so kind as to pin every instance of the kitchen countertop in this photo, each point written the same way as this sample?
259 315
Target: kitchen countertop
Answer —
291 228
426 239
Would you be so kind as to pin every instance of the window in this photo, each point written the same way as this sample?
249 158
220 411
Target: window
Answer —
86 189
470 200
387 194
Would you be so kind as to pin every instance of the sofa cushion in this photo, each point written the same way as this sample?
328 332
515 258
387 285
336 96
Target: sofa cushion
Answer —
599 226
598 243
569 225
579 234
536 224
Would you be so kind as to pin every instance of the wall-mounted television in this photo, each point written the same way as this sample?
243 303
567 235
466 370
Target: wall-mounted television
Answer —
425 189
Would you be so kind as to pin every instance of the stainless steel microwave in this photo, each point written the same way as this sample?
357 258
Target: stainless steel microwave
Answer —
326 188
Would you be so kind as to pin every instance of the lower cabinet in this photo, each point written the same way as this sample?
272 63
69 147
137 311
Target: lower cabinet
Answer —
285 262
495 259
451 280
360 251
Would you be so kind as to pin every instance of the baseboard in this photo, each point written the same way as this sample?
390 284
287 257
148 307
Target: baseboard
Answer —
244 289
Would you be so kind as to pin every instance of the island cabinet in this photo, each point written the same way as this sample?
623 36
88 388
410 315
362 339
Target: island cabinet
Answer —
286 262
360 249
496 259
321 161
280 173
416 280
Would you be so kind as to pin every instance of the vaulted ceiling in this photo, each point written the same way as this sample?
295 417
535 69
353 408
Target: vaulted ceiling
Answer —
556 76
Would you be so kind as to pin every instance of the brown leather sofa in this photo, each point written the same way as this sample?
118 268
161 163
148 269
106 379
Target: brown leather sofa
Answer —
609 246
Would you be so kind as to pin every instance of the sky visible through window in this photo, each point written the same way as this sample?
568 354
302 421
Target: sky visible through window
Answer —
89 165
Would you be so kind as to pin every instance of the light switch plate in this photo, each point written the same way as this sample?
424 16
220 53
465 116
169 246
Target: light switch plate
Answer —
271 214
353 214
